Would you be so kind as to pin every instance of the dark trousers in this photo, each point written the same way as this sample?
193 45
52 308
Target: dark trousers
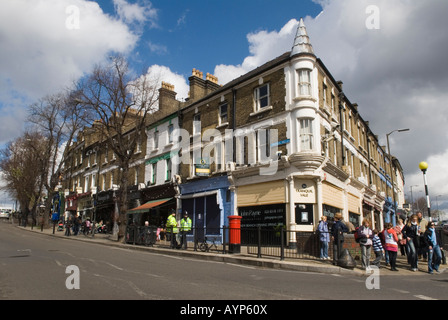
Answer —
183 239
378 257
392 259
173 240
337 249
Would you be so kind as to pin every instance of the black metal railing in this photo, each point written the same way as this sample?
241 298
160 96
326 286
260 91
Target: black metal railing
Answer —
277 242
282 243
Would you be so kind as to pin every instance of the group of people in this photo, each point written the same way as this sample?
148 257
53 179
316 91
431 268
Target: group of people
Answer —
177 231
76 225
414 239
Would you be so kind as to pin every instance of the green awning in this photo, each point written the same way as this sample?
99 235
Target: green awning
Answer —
165 156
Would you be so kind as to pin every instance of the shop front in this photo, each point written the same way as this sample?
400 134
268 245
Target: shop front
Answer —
105 206
208 204
71 206
261 205
333 201
156 204
85 205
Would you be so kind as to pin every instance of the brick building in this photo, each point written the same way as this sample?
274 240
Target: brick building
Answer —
291 144
280 145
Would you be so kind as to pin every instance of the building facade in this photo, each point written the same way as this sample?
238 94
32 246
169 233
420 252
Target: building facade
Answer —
279 146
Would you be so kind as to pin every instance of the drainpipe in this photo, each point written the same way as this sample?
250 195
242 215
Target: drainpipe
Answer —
234 123
341 96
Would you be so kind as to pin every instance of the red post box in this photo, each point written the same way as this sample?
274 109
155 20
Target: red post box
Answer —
234 234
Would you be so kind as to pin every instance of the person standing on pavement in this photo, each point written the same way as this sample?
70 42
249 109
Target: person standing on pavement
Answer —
337 236
432 240
391 245
401 242
185 227
377 249
68 226
365 235
324 237
423 225
172 230
411 234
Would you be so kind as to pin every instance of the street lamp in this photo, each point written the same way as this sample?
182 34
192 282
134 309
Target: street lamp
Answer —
391 172
424 166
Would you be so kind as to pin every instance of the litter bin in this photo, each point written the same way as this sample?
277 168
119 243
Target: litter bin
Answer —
234 234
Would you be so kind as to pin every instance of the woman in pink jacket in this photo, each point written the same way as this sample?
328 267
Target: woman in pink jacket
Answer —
391 245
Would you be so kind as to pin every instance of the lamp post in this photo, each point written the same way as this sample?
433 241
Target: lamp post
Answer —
424 166
391 171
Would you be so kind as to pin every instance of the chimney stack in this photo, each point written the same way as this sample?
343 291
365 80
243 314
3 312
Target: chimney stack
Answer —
167 98
199 87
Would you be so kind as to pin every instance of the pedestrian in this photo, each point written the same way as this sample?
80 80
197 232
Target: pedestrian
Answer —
68 226
401 242
172 230
423 225
365 235
433 242
411 234
324 237
185 227
377 249
337 236
391 245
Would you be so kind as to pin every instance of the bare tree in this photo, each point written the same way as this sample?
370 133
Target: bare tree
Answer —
57 118
121 104
23 171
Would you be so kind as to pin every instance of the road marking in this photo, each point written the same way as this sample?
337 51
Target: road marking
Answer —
172 257
400 291
241 266
114 266
420 296
58 263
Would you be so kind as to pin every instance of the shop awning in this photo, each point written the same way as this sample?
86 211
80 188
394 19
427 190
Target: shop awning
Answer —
148 205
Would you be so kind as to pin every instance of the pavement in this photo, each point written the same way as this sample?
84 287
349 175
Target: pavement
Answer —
302 265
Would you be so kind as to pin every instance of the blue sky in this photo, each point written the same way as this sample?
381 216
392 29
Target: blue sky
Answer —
203 34
396 72
207 33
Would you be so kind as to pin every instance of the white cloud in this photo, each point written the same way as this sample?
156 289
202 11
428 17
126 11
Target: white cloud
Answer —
397 73
263 46
140 12
45 48
159 73
157 48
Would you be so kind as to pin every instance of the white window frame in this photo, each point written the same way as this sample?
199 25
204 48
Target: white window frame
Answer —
258 97
86 183
168 164
154 173
304 82
156 139
170 131
306 134
221 114
197 123
263 147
